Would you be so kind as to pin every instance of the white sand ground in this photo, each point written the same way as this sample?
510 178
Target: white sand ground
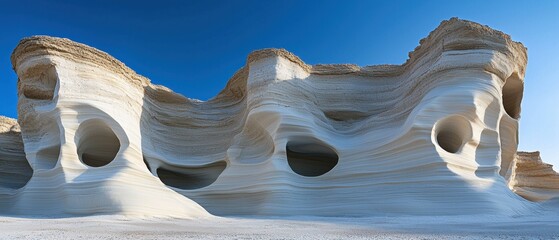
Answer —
455 227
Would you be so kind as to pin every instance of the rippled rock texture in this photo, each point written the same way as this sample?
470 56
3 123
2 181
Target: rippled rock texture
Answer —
435 135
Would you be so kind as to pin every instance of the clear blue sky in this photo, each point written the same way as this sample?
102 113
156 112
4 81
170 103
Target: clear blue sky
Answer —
193 47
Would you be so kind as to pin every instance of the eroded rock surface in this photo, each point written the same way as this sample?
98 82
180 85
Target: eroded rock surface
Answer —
534 179
15 172
435 135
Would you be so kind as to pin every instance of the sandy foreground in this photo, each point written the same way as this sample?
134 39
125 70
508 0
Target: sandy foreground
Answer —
120 227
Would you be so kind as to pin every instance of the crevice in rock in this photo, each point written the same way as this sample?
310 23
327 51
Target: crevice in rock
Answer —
346 115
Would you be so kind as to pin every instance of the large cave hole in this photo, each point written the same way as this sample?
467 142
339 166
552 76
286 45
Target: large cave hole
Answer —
452 133
512 95
190 178
40 82
310 157
97 143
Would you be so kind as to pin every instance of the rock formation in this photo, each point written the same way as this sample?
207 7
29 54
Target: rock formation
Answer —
15 172
435 135
533 179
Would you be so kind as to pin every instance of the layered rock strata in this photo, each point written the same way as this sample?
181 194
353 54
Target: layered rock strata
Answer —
15 171
534 179
435 135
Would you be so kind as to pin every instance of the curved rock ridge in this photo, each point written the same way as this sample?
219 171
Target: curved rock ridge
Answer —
435 135
534 179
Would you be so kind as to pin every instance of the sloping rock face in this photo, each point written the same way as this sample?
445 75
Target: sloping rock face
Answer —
436 135
15 171
533 179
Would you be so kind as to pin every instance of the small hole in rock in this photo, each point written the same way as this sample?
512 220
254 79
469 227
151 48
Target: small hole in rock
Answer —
512 96
310 158
97 143
189 178
452 133
48 156
39 82
449 141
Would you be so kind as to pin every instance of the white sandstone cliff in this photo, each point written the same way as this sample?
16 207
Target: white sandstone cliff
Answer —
435 135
